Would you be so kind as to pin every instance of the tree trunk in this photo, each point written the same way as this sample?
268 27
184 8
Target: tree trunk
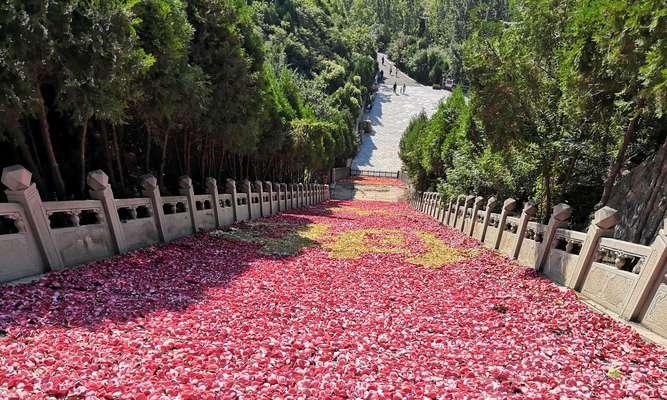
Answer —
615 168
119 156
19 139
46 137
547 193
658 180
108 154
149 139
163 158
82 157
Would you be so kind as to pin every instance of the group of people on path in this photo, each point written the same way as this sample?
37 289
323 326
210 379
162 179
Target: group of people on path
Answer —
391 70
402 88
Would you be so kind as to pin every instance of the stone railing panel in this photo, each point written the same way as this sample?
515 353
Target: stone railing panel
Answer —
20 255
204 204
609 286
492 230
532 241
177 217
226 204
137 222
79 230
242 209
564 255
509 236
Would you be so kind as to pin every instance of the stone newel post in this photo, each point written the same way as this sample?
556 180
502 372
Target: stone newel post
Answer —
439 209
230 187
152 191
279 190
459 200
299 188
475 207
269 187
529 211
185 189
466 207
246 187
603 222
649 277
98 182
561 213
283 187
259 188
212 189
508 207
22 191
487 216
448 214
445 210
293 190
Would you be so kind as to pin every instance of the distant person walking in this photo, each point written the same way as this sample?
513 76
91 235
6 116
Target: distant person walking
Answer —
391 69
403 89
394 87
382 60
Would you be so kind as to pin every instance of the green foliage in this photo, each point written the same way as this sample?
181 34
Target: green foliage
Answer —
200 87
562 93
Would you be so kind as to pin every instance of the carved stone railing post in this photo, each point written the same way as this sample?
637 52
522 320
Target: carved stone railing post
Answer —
561 213
185 189
22 191
459 203
277 187
286 202
650 277
490 203
431 203
212 189
450 208
98 182
259 188
152 191
268 187
438 207
293 200
529 211
443 212
300 195
603 222
230 187
466 206
508 207
246 187
477 203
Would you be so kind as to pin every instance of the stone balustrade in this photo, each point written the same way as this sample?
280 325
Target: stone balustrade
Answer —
37 236
627 279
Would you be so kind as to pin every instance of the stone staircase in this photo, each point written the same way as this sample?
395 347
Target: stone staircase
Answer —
361 191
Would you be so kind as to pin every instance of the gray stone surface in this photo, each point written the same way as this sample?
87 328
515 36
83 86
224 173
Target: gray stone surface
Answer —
390 116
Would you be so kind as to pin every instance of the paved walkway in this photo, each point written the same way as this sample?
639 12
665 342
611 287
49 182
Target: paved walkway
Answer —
343 300
390 116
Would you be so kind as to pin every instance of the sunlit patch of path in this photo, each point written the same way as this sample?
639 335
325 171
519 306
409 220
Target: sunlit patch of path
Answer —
342 300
